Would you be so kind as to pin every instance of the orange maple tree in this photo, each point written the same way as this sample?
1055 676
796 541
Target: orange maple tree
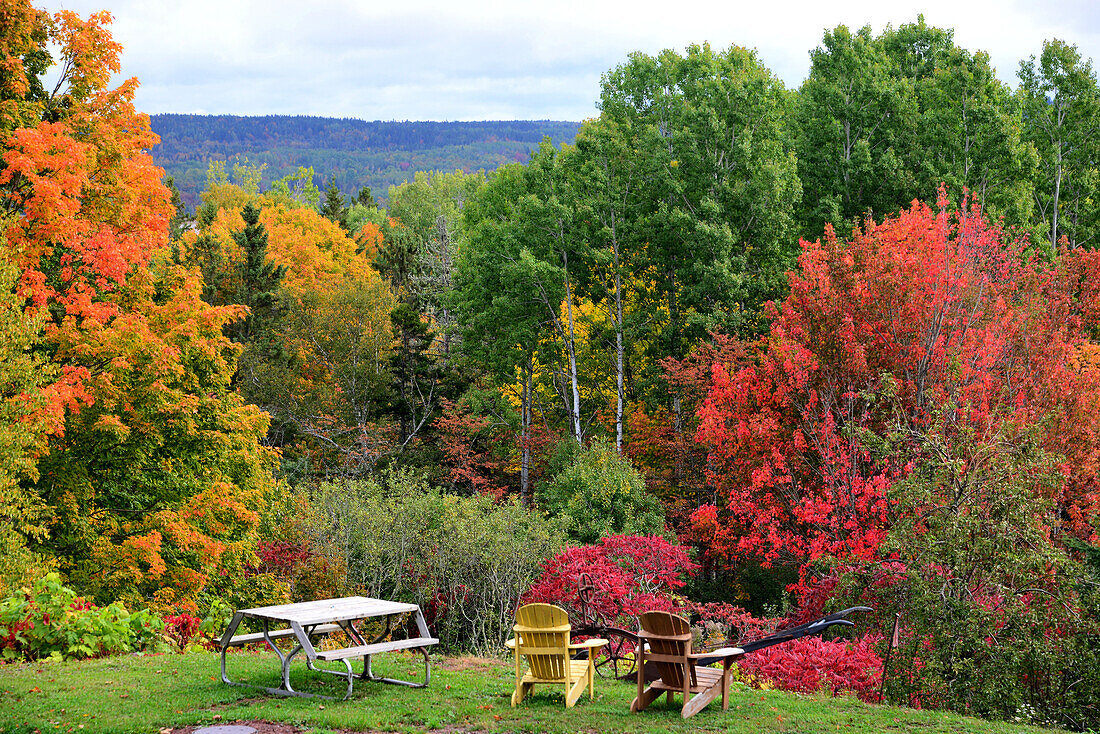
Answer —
149 466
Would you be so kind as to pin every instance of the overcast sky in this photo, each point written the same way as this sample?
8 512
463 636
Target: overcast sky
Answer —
492 60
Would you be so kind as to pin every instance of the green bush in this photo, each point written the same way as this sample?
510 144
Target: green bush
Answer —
998 618
599 493
50 620
464 560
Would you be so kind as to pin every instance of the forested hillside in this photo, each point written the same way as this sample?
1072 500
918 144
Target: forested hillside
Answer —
356 152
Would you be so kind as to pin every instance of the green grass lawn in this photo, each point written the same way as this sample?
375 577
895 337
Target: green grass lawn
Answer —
148 693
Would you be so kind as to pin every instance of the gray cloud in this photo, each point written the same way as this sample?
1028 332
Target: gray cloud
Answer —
493 59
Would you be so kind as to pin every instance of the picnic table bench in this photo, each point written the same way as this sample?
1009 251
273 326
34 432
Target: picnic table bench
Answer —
313 621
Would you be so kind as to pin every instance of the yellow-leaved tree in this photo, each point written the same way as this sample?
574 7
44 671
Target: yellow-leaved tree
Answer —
316 354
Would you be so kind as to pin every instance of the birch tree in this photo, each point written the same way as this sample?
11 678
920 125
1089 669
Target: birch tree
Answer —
1062 114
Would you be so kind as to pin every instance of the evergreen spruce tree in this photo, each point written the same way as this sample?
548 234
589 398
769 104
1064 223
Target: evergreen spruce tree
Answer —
259 278
366 198
334 208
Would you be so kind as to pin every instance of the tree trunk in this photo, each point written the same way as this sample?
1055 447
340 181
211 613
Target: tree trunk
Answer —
525 434
678 430
571 347
1057 193
446 265
618 339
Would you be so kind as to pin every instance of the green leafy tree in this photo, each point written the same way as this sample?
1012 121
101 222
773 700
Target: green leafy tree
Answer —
883 120
968 127
500 323
416 373
330 389
417 258
366 198
1061 103
990 600
856 120
551 253
611 174
428 210
296 189
259 279
181 221
719 186
24 374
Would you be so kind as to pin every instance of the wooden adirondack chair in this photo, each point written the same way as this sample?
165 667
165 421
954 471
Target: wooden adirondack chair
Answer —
542 636
665 641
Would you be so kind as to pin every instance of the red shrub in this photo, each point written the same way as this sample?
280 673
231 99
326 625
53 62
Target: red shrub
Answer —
632 574
810 664
181 629
282 557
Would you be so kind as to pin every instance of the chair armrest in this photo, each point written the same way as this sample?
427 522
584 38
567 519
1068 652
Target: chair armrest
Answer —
510 644
722 652
593 644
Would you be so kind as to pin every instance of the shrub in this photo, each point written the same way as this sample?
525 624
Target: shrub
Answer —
50 620
180 629
147 628
599 494
216 620
631 573
465 560
811 664
806 665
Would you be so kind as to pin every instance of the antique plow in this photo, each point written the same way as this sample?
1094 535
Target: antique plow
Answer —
618 660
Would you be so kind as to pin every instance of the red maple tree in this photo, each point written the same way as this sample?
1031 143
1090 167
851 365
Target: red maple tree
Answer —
931 311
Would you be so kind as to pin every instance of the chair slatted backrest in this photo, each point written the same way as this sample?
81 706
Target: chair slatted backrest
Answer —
542 634
669 638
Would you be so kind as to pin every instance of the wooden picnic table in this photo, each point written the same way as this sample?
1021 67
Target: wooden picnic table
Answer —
306 622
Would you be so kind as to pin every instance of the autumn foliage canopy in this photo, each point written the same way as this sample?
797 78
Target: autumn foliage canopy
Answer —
934 315
148 464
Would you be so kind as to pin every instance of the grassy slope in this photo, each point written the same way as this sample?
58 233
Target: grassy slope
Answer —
146 693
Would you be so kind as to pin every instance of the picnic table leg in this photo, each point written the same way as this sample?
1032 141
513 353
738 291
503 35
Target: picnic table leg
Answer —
286 668
357 637
287 690
351 678
411 684
422 628
309 663
224 643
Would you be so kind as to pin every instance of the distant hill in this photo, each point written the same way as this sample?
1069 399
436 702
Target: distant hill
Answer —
356 152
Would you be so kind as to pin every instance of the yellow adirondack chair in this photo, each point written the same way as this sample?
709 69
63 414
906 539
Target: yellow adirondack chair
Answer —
542 636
